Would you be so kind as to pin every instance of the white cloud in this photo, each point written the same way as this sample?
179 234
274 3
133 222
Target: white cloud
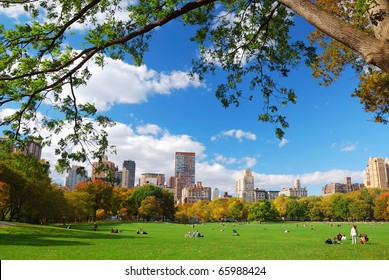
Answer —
122 83
245 162
283 142
236 133
13 12
250 162
307 179
222 159
149 129
349 148
6 112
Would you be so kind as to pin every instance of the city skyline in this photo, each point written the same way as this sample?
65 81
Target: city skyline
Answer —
158 110
244 185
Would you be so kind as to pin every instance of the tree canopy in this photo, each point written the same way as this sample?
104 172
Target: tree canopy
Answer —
249 40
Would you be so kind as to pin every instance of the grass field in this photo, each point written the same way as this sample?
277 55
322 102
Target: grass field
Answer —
166 241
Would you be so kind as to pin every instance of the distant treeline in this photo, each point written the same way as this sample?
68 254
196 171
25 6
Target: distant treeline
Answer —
27 194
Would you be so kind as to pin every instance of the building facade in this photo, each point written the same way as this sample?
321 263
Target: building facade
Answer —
152 178
245 186
184 172
296 191
376 173
128 174
103 170
29 148
346 187
74 178
260 194
195 193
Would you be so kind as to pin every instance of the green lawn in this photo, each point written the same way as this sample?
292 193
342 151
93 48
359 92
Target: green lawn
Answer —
166 241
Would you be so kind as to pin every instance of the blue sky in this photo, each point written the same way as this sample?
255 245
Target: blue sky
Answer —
159 111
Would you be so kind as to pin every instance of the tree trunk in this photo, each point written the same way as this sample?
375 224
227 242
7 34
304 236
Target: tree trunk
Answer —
374 50
379 18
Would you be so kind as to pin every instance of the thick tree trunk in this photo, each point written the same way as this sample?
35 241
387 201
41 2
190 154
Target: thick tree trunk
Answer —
379 18
374 50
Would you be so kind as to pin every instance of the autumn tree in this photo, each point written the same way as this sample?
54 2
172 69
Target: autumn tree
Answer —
281 205
237 209
150 209
122 202
247 40
165 199
381 209
80 206
100 192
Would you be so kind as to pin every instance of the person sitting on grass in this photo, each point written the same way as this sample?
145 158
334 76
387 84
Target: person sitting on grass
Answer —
197 234
339 236
235 232
363 238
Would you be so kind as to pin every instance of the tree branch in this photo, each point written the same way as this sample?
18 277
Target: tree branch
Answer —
375 51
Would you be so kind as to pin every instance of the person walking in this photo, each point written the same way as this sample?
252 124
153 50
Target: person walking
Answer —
354 234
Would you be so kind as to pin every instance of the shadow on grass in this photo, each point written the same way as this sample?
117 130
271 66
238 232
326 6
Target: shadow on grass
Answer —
26 236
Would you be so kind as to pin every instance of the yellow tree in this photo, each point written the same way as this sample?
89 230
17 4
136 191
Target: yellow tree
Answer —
150 209
281 205
101 194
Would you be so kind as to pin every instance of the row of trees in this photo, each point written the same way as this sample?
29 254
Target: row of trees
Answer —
364 204
27 194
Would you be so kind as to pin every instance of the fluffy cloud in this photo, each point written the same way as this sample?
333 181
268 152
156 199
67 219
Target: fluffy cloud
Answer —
317 178
236 133
122 83
245 162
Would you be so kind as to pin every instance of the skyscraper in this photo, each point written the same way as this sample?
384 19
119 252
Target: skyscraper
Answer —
128 174
376 173
245 186
103 170
74 178
184 172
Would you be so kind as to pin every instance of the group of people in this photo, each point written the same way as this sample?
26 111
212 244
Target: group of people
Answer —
193 234
354 235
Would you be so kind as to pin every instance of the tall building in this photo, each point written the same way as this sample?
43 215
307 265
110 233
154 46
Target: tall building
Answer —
152 178
296 191
215 193
376 173
74 178
128 174
30 147
192 194
184 172
103 170
245 186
